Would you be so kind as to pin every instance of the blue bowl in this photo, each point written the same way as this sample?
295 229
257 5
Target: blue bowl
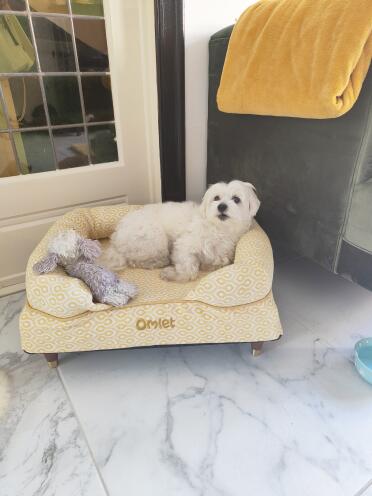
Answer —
363 358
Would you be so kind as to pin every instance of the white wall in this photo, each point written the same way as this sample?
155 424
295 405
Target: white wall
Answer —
202 19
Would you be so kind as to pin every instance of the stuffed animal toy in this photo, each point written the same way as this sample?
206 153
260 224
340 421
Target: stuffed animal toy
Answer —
77 256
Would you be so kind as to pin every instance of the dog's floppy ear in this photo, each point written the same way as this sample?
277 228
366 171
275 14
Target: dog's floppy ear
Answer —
90 249
254 202
204 203
47 264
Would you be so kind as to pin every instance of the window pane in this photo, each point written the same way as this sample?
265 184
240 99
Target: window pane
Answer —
54 43
71 147
97 98
62 93
58 6
3 123
102 142
87 7
17 53
34 151
8 166
24 101
12 5
23 104
91 44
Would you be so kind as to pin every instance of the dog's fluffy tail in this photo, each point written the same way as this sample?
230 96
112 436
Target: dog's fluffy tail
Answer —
112 259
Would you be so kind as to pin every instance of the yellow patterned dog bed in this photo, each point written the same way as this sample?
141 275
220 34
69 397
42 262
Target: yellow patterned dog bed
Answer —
232 304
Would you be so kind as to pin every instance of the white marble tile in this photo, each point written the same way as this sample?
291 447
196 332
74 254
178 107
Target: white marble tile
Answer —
42 449
10 308
211 420
326 304
365 490
203 421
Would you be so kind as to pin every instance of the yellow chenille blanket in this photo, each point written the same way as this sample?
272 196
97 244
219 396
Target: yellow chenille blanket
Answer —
297 58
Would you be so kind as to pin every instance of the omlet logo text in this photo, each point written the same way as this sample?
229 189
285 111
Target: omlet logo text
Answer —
143 324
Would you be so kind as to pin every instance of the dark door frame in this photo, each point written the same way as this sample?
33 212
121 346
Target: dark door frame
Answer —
170 58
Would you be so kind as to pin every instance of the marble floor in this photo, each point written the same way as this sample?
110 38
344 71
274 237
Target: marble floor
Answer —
203 420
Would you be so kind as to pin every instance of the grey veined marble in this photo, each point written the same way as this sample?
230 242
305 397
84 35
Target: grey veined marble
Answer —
203 420
42 449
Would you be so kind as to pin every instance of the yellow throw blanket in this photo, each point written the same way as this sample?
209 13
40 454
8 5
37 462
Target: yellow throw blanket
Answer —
297 58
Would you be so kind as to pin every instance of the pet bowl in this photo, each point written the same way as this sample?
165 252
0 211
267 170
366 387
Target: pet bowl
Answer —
363 358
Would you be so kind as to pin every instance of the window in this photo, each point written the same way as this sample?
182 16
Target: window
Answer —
56 108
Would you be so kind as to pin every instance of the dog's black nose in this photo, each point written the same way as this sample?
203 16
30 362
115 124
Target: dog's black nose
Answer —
222 207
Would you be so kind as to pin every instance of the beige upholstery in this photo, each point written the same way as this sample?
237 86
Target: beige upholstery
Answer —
232 304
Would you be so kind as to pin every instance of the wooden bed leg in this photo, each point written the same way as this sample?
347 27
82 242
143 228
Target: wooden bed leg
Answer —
52 359
256 348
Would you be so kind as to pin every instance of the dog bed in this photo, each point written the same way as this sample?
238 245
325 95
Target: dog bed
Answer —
232 304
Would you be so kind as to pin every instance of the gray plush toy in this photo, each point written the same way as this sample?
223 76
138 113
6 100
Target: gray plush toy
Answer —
77 256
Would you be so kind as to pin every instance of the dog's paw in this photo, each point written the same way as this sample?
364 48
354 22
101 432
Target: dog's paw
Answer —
168 274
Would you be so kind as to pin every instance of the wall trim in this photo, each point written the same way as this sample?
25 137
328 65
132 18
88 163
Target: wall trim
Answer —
170 55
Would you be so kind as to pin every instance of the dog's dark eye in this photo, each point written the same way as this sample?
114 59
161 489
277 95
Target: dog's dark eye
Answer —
216 198
236 199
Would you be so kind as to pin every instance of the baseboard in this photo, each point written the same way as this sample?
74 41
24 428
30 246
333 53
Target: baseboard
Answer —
14 288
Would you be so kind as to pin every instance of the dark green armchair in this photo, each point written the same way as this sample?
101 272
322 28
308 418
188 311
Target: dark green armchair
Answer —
314 177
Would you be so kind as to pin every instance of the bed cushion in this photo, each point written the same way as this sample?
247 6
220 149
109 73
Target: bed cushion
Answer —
247 280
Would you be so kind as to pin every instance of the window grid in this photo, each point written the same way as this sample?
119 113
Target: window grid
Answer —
8 130
79 79
28 11
52 126
43 95
40 75
60 73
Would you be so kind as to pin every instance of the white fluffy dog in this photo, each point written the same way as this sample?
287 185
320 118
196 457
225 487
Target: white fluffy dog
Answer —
184 237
